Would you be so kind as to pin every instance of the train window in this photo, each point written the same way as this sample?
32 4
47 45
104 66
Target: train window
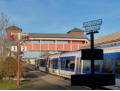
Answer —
78 64
43 63
63 64
97 66
107 65
78 59
72 65
68 64
86 65
51 64
117 66
55 64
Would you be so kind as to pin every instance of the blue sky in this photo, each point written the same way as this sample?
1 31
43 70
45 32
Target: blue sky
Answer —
60 16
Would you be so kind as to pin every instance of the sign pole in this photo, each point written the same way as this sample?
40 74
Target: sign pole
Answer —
92 56
92 50
92 27
18 65
18 49
92 80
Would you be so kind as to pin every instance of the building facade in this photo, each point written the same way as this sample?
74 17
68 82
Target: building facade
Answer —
71 41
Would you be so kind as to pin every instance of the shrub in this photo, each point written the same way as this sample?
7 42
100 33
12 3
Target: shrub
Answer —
8 68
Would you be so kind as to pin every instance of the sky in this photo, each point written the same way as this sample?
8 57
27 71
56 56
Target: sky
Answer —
60 16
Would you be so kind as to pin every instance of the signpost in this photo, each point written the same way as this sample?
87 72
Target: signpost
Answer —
19 48
18 62
15 49
86 54
92 80
92 27
23 48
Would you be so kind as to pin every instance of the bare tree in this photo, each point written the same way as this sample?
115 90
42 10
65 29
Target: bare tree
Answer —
3 41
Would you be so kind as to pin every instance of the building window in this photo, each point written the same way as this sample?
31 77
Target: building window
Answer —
83 42
62 42
32 41
47 41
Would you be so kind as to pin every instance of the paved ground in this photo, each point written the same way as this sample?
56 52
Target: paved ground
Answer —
116 86
43 81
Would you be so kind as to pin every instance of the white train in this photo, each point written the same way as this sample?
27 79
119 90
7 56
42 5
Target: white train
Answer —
68 63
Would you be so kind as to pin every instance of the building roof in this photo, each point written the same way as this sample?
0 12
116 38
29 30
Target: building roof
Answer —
14 28
108 39
53 35
75 30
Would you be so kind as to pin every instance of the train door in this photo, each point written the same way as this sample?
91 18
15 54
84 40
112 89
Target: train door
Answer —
78 65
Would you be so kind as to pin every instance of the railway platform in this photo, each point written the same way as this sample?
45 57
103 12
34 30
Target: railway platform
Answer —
116 86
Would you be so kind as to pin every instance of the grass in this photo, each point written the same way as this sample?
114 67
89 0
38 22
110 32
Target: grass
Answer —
10 85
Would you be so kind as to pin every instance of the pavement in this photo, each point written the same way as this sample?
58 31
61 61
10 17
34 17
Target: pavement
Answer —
116 86
43 81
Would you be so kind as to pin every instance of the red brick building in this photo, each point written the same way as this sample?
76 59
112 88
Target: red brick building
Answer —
13 33
73 40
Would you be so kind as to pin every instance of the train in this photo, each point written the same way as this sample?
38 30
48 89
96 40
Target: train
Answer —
69 63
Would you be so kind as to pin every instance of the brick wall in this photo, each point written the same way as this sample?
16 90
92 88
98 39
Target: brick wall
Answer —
15 33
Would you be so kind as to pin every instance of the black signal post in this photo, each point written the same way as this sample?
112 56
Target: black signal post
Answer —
92 27
92 80
92 51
